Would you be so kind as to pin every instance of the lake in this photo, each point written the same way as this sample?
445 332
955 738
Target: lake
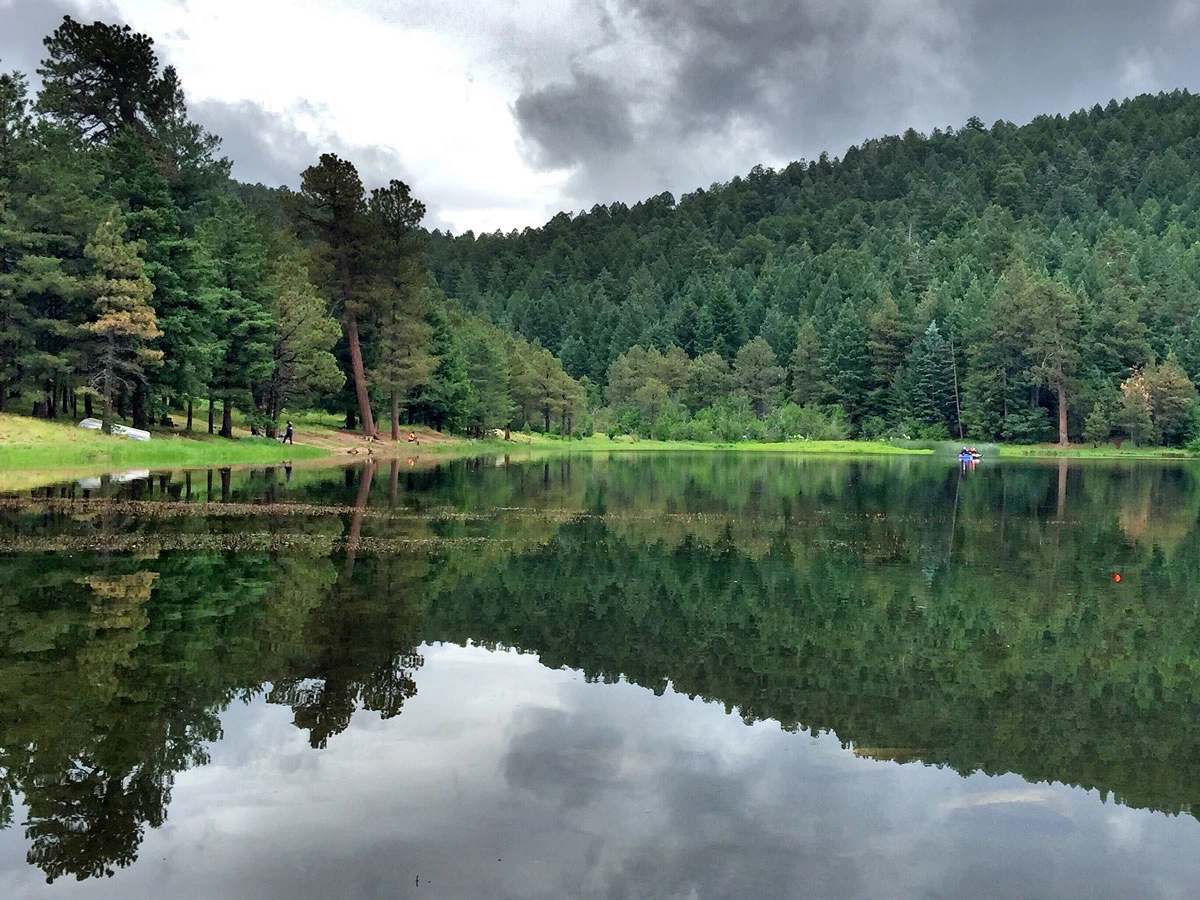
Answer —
659 676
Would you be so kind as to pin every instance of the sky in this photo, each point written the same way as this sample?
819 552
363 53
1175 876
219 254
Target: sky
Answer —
501 114
505 778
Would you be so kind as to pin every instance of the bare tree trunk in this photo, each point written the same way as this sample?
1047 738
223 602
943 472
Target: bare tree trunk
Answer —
227 420
1063 439
189 424
360 377
395 414
140 419
3 394
356 520
106 416
1062 490
210 413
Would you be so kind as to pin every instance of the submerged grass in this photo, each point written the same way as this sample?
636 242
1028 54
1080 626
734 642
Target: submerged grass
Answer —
1083 451
598 443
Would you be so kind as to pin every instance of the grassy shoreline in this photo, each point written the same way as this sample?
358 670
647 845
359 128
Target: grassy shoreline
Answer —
32 449
32 444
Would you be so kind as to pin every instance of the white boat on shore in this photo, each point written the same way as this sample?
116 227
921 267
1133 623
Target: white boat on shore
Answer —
134 434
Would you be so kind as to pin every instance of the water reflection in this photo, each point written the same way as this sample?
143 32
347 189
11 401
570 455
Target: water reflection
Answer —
902 610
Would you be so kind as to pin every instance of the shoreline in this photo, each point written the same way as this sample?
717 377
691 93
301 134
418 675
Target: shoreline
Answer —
35 453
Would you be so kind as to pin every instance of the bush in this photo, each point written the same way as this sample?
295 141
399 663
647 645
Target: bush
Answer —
822 423
874 428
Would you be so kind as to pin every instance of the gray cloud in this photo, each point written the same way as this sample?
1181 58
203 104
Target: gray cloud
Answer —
681 93
575 122
267 147
564 757
24 23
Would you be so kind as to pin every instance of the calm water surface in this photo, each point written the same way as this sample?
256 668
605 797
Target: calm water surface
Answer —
676 676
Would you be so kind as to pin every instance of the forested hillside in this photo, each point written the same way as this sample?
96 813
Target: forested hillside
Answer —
136 278
1014 283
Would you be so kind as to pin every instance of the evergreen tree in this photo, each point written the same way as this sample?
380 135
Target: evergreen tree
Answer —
726 321
757 374
125 323
709 379
805 365
932 382
844 362
487 370
397 294
239 301
1172 399
102 79
303 366
331 209
443 399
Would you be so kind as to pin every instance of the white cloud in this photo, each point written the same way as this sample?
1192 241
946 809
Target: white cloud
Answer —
344 78
1137 75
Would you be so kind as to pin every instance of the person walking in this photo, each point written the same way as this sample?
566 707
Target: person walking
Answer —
288 434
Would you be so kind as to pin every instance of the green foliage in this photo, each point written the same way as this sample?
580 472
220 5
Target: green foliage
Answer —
1044 261
101 79
758 376
125 324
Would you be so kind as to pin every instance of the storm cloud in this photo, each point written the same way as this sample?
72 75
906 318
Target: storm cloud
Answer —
574 122
500 115
686 92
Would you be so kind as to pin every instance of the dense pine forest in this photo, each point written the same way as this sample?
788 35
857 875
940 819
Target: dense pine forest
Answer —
1014 283
137 278
1007 283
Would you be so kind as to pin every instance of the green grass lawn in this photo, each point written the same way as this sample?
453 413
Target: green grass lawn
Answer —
27 443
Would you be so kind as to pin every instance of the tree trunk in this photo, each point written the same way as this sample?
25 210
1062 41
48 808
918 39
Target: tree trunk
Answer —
360 377
1062 413
87 406
356 519
395 414
351 420
3 394
227 420
140 419
210 413
189 424
106 416
1062 491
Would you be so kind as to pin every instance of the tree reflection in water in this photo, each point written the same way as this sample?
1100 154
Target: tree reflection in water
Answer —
967 621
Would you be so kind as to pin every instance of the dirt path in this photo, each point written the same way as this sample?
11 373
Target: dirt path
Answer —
352 444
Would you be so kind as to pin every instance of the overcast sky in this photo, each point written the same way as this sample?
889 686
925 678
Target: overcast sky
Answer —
500 114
